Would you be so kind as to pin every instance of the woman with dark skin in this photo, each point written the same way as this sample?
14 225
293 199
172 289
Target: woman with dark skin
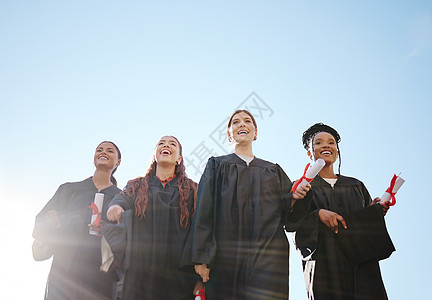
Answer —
239 246
329 274
62 231
163 202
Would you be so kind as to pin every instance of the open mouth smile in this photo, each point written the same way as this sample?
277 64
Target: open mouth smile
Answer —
165 152
325 152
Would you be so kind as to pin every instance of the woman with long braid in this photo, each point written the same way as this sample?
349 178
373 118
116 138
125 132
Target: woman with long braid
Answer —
163 202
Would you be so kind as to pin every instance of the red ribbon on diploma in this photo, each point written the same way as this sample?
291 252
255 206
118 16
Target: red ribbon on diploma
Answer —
95 211
200 295
390 191
294 188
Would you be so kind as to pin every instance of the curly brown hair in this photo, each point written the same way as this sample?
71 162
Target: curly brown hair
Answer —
139 187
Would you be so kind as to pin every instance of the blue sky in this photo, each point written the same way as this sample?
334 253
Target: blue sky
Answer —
75 73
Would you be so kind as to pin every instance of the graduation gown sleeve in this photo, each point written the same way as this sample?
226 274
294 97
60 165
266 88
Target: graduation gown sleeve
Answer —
43 231
204 244
294 216
124 201
367 238
59 241
44 234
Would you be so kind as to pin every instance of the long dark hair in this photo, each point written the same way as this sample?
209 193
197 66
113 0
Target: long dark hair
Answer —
112 178
138 187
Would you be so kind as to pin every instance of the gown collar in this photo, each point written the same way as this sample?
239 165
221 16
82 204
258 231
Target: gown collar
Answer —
89 182
318 180
165 181
156 181
238 160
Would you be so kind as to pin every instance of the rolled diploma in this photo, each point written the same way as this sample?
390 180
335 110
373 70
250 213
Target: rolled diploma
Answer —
312 171
398 183
98 201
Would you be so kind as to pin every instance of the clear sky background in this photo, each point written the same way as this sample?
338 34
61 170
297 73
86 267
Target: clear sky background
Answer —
74 73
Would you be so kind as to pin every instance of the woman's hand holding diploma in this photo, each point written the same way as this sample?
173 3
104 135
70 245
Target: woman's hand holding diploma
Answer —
302 186
309 174
96 208
97 229
301 192
389 195
385 205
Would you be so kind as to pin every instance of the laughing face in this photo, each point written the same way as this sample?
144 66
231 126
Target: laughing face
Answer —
106 156
324 146
168 151
242 129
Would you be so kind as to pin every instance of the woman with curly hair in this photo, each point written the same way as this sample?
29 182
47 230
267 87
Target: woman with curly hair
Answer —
163 202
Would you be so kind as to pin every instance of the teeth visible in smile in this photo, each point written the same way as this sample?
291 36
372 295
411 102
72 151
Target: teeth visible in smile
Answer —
103 157
242 132
326 152
165 152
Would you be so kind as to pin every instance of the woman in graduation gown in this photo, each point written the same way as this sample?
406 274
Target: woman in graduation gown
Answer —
163 202
328 272
62 231
239 246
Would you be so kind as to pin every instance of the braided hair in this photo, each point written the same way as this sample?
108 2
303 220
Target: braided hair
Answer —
312 131
138 187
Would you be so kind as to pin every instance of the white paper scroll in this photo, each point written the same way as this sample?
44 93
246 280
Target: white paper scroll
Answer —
98 201
311 172
386 197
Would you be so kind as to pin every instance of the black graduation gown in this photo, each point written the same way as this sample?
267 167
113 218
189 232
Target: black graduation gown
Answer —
77 258
238 228
328 272
157 246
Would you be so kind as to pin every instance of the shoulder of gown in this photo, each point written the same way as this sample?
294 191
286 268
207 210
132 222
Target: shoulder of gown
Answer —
83 184
347 180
